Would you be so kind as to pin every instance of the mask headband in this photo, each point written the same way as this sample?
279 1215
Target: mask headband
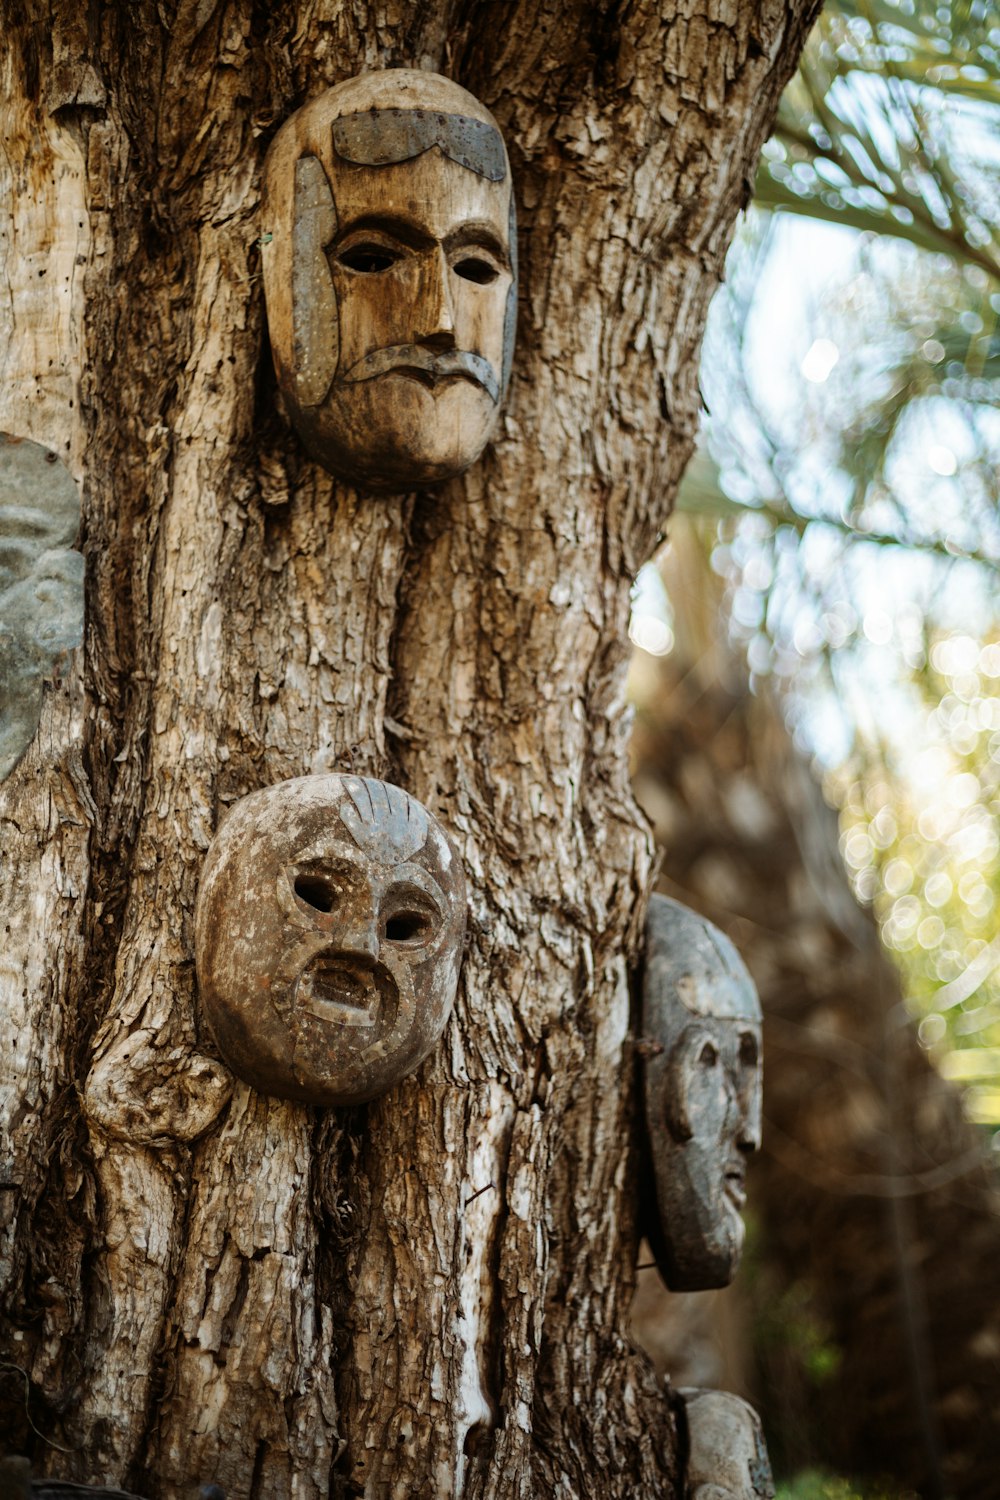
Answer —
382 137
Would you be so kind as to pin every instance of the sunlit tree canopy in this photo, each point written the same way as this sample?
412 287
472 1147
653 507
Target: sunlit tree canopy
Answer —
848 471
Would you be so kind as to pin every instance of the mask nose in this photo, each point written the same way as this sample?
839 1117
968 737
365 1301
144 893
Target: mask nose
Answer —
434 317
749 1132
355 930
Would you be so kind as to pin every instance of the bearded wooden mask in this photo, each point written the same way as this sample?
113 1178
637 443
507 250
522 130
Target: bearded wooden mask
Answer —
328 935
389 259
701 1024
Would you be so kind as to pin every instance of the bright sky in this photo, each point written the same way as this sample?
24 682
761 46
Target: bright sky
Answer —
800 375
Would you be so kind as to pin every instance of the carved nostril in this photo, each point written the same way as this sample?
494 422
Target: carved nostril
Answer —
442 338
358 941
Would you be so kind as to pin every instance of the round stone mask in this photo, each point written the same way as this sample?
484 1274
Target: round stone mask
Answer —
328 936
726 1453
702 1094
388 257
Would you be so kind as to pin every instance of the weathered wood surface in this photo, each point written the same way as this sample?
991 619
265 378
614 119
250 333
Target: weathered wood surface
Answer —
389 257
329 933
701 1092
425 1296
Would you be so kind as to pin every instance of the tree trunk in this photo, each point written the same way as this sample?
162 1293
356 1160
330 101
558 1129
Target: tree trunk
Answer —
424 1296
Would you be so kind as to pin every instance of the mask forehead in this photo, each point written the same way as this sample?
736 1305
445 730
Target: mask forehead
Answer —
329 819
692 969
717 995
725 1445
390 826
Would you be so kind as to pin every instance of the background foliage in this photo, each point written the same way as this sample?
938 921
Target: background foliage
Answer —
845 492
848 473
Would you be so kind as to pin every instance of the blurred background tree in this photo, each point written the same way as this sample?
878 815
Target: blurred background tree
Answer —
844 505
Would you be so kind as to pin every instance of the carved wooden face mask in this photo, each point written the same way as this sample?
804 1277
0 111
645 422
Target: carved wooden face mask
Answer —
328 934
726 1454
702 1093
389 272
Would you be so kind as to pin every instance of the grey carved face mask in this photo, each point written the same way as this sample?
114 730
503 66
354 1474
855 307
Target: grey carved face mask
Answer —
390 277
41 584
702 1093
329 931
726 1454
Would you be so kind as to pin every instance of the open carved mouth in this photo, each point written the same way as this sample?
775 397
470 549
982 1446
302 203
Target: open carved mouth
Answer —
735 1184
336 990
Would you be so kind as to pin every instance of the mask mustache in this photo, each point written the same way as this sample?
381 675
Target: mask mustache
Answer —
430 361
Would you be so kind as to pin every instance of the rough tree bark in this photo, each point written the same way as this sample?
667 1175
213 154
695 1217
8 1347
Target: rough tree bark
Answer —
425 1296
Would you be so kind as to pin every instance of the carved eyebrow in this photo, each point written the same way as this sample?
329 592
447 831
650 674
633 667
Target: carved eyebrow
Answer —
418 877
689 1038
403 229
396 226
478 232
427 887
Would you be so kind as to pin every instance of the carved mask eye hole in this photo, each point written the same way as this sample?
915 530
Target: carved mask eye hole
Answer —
412 919
709 1055
408 927
369 258
748 1050
475 268
316 891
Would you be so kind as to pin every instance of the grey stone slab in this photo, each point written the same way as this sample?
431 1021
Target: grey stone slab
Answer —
41 584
